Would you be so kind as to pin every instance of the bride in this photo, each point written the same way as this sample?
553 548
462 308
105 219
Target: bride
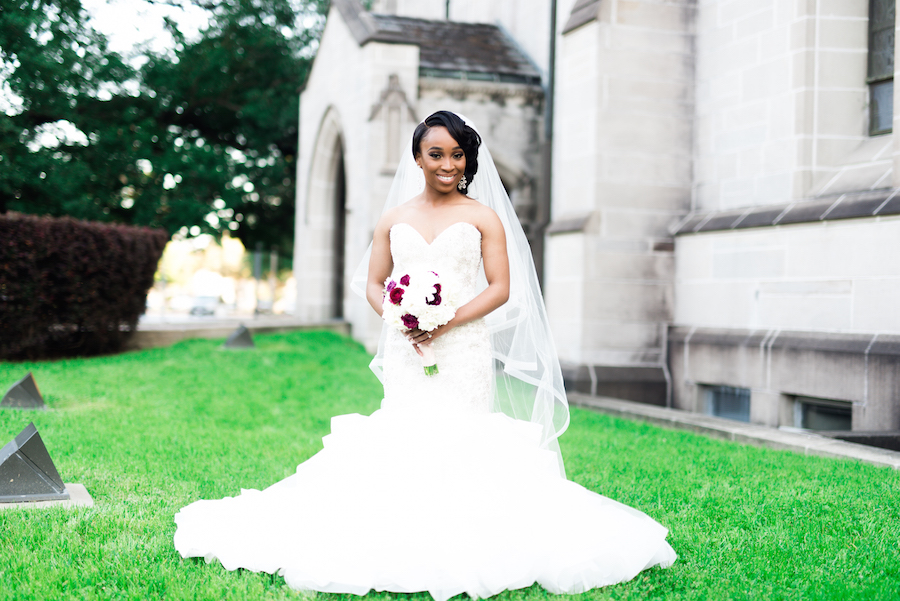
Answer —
456 485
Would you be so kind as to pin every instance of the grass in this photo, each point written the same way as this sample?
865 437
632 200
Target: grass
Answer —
149 432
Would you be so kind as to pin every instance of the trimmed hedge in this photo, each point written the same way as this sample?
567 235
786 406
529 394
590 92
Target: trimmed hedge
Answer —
71 287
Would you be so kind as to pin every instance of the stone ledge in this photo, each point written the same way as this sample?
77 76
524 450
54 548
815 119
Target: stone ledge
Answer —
166 334
832 342
870 203
717 427
570 224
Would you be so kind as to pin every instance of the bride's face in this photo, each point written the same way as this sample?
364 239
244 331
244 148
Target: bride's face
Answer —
441 159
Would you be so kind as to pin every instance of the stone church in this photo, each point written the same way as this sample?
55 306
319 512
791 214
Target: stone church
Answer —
710 187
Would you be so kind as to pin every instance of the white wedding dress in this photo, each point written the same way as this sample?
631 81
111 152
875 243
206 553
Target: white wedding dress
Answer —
432 492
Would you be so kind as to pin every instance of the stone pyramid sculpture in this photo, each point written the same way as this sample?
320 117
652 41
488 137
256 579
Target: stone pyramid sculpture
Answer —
240 338
26 471
24 394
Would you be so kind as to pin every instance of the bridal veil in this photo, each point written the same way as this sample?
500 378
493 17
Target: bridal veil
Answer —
528 380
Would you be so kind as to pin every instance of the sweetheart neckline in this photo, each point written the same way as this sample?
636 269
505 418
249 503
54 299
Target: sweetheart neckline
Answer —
427 243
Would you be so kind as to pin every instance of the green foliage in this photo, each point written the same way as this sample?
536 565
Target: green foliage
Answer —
202 137
152 431
61 72
72 288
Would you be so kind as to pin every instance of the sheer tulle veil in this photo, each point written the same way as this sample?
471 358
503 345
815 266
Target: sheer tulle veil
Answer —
529 384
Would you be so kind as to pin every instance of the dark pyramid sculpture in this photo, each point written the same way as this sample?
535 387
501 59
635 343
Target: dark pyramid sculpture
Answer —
240 338
26 471
24 394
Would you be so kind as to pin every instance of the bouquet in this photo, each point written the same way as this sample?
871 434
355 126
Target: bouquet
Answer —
415 302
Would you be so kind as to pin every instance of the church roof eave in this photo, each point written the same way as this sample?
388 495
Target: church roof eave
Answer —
446 48
582 13
359 21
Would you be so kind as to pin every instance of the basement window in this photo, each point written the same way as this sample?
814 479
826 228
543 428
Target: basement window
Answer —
822 414
728 402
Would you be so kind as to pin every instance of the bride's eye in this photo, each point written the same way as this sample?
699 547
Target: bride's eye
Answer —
435 155
458 156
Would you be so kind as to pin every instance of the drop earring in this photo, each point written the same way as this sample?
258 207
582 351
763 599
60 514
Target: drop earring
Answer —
463 182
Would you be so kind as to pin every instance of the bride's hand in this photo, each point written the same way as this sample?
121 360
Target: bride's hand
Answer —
417 336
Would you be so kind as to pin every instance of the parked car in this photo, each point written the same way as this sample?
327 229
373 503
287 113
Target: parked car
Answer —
204 305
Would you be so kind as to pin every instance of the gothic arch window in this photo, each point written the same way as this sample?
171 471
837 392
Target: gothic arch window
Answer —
882 14
323 264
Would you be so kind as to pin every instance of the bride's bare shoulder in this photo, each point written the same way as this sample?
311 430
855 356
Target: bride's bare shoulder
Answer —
483 217
394 215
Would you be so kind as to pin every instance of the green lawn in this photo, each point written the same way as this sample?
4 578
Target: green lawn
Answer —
151 431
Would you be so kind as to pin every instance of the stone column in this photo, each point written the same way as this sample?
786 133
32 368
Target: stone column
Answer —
622 175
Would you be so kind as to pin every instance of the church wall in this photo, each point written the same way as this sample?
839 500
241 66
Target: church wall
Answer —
836 276
782 103
793 304
622 174
574 154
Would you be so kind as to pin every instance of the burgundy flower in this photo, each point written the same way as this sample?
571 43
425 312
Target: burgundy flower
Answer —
410 321
396 295
391 285
404 281
437 295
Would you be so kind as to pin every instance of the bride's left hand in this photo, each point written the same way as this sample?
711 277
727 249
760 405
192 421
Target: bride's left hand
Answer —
421 336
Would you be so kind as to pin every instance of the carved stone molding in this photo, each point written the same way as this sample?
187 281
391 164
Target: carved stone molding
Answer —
392 96
390 108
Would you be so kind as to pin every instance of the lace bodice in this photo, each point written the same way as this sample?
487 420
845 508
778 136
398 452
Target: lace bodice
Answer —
465 380
455 255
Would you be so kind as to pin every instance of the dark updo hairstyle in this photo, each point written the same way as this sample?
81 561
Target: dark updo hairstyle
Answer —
467 138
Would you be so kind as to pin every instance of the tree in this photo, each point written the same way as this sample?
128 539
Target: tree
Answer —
235 93
202 138
60 73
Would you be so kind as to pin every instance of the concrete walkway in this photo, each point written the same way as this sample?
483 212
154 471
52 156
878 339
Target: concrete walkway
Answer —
799 442
150 335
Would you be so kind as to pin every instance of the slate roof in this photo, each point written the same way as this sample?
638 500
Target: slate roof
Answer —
446 48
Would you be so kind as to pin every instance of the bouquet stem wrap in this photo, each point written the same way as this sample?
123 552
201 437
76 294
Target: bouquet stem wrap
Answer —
429 361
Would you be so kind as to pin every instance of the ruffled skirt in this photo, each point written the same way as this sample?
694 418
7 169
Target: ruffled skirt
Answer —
409 501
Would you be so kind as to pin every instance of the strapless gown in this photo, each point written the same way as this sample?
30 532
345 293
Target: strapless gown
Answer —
432 492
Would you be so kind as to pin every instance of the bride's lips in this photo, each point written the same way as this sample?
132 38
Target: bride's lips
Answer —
446 178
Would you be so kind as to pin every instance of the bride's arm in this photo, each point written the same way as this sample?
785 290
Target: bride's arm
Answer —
380 264
496 271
